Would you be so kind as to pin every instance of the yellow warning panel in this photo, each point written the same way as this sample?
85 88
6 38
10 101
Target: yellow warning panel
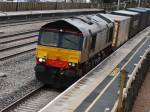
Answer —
146 33
115 72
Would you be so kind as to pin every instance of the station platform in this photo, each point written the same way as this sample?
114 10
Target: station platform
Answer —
19 13
98 90
26 15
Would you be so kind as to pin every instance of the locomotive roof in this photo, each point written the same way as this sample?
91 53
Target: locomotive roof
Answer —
147 9
115 17
126 12
137 9
83 24
108 21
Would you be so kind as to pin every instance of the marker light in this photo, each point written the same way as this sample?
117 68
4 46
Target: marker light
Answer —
69 64
73 64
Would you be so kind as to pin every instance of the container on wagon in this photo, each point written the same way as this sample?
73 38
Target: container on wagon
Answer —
122 24
148 11
134 23
143 18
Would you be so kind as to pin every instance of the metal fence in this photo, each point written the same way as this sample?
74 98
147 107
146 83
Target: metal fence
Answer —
26 6
133 85
135 82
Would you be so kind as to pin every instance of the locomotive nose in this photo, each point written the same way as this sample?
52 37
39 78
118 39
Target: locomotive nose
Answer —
57 57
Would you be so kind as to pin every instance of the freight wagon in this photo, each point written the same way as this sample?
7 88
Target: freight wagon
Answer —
121 29
143 18
135 21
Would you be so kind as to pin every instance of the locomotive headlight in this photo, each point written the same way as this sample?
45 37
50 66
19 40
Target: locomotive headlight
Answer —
42 60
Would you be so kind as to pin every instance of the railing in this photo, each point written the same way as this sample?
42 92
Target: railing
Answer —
135 81
133 84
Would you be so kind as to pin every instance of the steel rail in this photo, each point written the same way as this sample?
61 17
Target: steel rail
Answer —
21 50
9 45
19 33
16 38
23 22
21 99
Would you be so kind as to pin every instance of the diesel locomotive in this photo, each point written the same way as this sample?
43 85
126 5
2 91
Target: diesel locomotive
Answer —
68 48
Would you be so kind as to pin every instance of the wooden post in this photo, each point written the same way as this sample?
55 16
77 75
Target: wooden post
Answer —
122 85
118 5
17 5
139 3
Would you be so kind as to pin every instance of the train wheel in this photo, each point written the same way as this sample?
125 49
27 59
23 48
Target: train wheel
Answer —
58 85
92 63
84 69
80 73
103 54
89 67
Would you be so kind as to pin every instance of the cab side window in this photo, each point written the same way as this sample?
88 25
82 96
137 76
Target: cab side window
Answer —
85 43
93 41
110 37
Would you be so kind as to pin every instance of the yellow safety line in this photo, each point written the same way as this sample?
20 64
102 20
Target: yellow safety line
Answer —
87 110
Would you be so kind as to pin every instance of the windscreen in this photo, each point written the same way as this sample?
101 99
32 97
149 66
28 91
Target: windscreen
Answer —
49 38
61 40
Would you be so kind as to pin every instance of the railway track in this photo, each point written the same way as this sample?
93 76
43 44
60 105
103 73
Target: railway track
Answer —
17 44
28 21
23 22
16 33
33 101
17 37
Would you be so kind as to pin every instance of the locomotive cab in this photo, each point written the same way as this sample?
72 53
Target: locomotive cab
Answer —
58 51
59 48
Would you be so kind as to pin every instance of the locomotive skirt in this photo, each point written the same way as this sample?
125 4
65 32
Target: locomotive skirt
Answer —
52 76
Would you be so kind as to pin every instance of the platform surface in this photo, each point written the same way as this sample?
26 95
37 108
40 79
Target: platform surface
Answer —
17 13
